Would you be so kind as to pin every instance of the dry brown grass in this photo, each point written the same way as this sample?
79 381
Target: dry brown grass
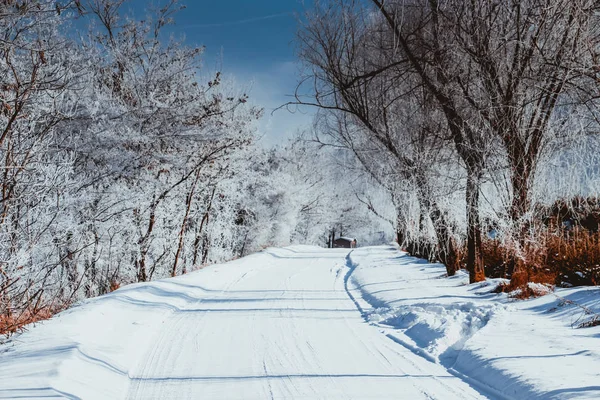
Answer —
15 321
114 285
563 258
498 259
575 257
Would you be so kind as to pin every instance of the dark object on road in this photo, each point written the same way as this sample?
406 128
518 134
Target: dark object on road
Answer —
344 243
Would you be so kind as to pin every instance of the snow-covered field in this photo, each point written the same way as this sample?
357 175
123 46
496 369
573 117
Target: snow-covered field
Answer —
306 322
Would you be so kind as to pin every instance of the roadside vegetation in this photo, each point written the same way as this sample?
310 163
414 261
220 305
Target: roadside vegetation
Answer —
124 160
465 131
479 118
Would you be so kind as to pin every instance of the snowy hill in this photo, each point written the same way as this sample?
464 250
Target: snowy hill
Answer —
306 322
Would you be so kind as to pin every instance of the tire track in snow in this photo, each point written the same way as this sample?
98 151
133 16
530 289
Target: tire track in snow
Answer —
161 342
481 387
307 353
292 333
351 267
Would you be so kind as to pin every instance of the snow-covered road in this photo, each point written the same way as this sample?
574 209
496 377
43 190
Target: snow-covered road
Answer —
276 325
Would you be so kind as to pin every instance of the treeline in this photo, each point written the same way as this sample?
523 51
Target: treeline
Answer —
476 117
122 160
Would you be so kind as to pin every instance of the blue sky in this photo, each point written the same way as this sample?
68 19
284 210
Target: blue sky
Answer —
252 41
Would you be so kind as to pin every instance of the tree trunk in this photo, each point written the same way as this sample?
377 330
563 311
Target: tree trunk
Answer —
144 244
400 238
200 230
196 247
475 264
199 236
205 247
446 247
520 177
182 232
188 205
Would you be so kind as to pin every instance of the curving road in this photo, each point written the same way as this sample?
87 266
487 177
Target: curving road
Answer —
276 325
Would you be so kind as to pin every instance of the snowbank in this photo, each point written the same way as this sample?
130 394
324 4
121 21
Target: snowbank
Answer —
512 349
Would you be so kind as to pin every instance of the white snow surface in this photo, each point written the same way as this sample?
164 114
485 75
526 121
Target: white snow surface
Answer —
511 349
310 323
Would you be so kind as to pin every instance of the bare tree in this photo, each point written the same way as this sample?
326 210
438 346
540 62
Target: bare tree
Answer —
532 65
494 71
358 70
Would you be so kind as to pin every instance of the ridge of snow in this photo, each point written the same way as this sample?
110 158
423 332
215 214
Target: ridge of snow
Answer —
516 349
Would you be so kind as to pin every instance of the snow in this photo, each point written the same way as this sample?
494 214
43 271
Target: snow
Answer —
307 322
518 349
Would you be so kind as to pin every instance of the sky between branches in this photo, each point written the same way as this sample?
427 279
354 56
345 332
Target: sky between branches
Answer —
251 41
